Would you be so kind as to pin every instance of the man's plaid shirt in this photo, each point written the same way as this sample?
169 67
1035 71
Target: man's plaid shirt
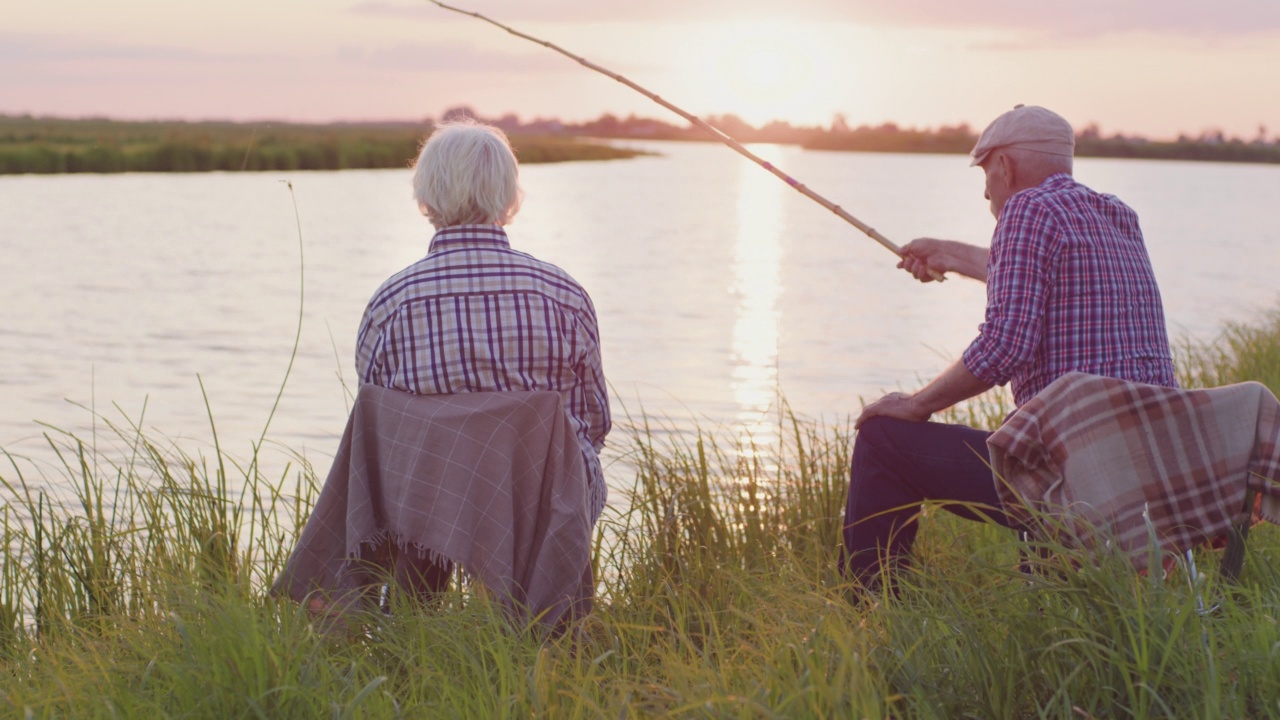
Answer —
1069 287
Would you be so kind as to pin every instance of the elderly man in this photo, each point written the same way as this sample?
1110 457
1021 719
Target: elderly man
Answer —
1069 287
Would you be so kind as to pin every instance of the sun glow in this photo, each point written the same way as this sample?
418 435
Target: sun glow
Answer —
761 70
757 262
764 69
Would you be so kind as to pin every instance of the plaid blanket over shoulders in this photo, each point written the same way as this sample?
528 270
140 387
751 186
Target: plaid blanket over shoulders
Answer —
493 482
1119 461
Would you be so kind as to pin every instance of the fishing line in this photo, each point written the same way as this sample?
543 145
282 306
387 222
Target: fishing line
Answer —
716 132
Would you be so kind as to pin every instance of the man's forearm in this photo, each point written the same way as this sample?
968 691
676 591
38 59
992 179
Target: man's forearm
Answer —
955 384
969 260
926 257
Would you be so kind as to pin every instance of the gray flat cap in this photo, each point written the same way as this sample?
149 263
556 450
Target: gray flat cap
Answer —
1026 126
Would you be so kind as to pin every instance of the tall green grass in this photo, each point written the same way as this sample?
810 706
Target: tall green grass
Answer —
134 585
1242 351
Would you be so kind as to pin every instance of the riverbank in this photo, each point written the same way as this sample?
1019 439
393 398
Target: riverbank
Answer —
43 145
954 139
142 594
961 141
56 145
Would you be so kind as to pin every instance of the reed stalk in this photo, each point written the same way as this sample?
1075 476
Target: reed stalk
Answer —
718 597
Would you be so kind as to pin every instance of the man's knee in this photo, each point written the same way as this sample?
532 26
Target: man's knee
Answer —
874 431
877 436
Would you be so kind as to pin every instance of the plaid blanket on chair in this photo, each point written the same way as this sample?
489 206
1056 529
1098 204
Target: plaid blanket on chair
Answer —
491 481
1117 461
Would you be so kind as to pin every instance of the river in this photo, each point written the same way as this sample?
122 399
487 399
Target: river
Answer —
719 289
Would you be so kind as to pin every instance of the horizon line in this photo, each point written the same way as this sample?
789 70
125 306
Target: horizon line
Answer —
522 121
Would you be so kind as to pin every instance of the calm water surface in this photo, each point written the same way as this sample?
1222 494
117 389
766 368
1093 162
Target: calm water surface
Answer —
717 286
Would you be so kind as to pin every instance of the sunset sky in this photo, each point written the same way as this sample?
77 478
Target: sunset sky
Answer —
1151 67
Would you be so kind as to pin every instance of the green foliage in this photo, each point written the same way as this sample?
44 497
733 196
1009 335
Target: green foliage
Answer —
1242 352
51 145
1182 149
547 149
144 594
890 138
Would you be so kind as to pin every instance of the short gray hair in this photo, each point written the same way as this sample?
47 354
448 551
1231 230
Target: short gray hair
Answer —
466 173
1036 163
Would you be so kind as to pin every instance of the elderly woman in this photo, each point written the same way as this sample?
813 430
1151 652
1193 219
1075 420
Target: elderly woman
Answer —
474 314
428 474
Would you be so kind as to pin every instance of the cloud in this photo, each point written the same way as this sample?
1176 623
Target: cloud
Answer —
41 49
95 58
1085 18
1079 18
455 58
513 12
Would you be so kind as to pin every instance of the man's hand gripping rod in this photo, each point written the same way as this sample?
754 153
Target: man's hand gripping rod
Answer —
719 135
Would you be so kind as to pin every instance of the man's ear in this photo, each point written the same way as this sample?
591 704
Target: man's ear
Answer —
1008 168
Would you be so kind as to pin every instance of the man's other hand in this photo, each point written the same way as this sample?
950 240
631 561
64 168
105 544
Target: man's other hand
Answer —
895 405
927 259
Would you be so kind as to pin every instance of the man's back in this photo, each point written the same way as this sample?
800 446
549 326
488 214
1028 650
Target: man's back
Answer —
1070 288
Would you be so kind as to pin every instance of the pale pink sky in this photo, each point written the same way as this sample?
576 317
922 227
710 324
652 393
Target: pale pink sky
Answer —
1151 67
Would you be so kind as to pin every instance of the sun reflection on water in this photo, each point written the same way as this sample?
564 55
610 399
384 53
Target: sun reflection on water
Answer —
757 287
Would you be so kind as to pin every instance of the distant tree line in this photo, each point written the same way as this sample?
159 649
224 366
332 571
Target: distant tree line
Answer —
1210 145
1213 145
57 145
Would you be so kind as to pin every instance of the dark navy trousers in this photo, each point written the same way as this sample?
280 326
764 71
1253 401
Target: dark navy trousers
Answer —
897 465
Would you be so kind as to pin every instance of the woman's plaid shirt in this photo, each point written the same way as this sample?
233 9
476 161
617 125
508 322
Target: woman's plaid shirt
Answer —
1069 287
475 315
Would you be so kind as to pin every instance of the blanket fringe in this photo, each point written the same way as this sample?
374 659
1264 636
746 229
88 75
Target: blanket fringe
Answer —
381 536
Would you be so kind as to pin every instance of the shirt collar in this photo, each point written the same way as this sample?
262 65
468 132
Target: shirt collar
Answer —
469 236
1058 180
1055 182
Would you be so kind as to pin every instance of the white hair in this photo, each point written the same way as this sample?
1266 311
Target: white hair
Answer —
466 173
1039 164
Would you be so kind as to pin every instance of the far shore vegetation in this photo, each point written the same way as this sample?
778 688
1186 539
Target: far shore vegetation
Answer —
133 583
56 145
97 145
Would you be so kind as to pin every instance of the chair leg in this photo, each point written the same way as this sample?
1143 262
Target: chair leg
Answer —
1237 535
422 578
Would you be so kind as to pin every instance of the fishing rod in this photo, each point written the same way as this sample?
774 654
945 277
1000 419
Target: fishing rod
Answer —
716 132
